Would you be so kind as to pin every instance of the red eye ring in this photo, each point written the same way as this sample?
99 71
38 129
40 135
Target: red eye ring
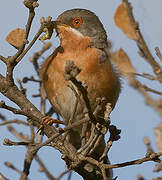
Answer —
77 21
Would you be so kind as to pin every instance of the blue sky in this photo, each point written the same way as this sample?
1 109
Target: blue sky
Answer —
131 115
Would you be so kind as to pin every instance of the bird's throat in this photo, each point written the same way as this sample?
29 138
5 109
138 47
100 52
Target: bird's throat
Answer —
71 39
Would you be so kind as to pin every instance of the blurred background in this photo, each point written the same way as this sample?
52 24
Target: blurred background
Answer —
131 115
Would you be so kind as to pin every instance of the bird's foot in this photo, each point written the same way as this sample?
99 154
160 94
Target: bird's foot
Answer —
49 121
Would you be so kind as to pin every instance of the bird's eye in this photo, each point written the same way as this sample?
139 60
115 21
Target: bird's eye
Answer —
77 22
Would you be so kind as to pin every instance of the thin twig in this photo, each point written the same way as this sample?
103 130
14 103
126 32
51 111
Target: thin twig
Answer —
45 24
129 163
14 110
84 149
27 30
93 148
31 8
90 145
36 95
61 131
26 79
135 162
8 142
106 150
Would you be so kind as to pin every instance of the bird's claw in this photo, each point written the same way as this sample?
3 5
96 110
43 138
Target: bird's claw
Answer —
49 121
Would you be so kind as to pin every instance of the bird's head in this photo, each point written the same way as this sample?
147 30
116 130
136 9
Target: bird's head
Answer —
80 24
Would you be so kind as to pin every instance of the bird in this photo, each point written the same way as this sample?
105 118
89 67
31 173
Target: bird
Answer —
83 40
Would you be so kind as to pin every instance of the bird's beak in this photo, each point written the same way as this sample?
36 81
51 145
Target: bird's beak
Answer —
57 25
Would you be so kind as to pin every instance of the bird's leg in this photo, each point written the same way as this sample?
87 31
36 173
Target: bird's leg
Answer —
48 120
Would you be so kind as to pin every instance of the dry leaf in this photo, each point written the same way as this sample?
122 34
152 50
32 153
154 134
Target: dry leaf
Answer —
16 37
122 61
122 21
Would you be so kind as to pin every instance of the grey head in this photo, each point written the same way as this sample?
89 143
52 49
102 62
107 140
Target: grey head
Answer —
87 23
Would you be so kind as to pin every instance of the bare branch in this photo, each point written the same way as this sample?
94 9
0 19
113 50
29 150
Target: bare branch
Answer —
14 110
8 142
31 15
152 157
136 162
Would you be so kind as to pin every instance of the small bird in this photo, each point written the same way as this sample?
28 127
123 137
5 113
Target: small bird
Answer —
83 40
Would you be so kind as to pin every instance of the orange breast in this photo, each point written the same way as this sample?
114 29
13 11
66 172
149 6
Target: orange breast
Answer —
101 79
